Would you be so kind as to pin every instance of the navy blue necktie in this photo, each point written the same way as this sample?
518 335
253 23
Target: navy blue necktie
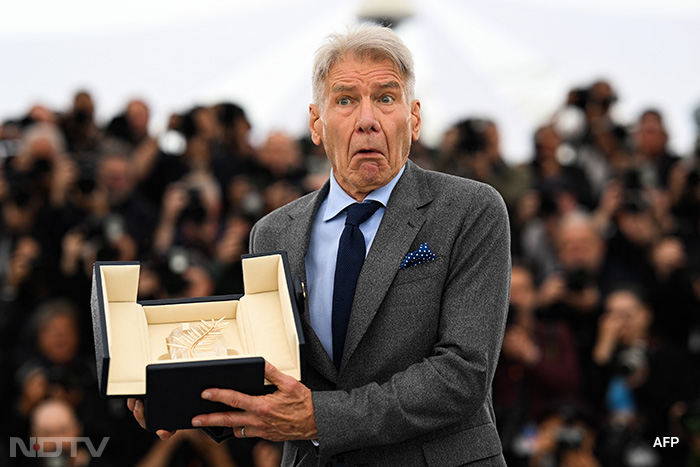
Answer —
351 256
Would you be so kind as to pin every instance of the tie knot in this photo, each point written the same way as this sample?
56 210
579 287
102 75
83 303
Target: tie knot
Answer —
360 212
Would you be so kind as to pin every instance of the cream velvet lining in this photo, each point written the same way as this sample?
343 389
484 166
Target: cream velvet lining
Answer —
261 323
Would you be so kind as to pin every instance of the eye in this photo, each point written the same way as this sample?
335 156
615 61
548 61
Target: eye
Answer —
386 99
344 101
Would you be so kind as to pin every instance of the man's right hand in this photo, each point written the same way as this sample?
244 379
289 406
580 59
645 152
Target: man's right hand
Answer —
136 407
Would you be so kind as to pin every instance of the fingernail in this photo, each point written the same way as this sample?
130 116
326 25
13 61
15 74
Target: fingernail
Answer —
196 422
206 395
139 405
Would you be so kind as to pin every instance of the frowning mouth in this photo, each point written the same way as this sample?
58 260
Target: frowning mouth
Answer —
369 152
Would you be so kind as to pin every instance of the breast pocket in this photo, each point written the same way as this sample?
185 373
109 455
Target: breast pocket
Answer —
416 273
417 287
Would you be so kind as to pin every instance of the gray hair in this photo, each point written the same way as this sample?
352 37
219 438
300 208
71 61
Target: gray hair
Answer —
45 131
52 308
362 41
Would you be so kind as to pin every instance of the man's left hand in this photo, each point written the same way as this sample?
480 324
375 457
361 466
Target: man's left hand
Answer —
285 415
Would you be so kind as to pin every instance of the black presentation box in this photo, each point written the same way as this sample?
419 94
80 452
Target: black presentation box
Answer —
132 353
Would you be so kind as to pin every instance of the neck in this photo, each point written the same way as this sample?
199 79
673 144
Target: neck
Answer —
357 195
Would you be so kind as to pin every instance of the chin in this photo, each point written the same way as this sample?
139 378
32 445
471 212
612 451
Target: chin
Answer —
373 177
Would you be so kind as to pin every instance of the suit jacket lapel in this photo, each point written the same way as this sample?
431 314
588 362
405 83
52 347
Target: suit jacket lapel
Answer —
296 245
401 222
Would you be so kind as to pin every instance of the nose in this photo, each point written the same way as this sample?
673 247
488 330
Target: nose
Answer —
367 121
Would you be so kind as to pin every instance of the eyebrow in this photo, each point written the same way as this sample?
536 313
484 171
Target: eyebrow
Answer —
389 85
342 88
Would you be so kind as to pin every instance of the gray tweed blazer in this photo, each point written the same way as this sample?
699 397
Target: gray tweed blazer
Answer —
414 387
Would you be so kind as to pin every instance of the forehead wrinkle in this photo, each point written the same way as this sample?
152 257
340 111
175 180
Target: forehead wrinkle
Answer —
362 70
346 88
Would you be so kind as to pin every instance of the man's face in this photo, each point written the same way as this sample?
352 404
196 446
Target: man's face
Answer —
651 136
366 125
634 317
580 247
59 340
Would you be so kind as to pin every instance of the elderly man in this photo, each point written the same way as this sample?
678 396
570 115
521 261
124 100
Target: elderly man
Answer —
402 344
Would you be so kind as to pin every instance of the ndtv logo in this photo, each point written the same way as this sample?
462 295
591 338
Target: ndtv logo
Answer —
36 446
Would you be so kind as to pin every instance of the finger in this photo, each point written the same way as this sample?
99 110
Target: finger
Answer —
139 414
248 433
231 419
232 398
276 377
130 404
165 434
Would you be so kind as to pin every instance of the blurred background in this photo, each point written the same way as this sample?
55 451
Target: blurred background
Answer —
511 60
160 132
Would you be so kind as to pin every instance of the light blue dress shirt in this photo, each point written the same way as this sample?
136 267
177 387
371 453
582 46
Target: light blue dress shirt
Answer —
323 251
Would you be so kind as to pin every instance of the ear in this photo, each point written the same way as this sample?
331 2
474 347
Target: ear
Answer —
415 119
315 124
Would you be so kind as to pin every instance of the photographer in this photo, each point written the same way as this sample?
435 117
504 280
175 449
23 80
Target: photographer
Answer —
601 145
51 365
176 273
651 150
78 125
54 418
190 216
637 376
557 189
35 176
129 129
572 293
104 219
547 167
641 251
228 272
472 149
538 363
566 436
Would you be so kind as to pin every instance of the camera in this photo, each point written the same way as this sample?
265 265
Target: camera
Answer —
21 190
101 234
569 437
41 167
86 176
472 135
578 279
631 360
578 97
194 210
632 192
170 268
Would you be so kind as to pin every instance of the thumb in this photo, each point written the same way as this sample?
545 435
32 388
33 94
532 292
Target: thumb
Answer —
276 377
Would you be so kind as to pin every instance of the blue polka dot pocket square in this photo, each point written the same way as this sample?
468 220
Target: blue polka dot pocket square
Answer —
420 256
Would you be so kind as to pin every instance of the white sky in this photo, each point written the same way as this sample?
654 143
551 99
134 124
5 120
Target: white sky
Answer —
510 60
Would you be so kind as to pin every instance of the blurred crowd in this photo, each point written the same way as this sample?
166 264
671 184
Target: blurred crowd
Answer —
603 337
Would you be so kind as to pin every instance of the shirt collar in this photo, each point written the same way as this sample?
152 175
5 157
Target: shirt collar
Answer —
338 199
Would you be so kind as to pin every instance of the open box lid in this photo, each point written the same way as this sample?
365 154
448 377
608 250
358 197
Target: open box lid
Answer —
264 323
